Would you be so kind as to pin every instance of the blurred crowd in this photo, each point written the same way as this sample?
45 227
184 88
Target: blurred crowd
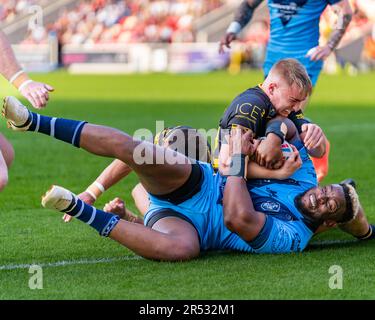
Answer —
362 24
9 9
167 21
255 37
129 21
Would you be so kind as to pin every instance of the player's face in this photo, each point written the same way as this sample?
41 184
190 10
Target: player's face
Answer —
323 203
286 98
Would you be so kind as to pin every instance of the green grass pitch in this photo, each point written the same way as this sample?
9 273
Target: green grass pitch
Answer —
344 106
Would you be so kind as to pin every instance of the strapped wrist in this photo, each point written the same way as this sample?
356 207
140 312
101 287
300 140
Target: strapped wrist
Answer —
24 84
238 167
96 189
20 79
235 27
15 76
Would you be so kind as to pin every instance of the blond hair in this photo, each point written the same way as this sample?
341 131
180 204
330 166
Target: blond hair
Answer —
352 203
293 72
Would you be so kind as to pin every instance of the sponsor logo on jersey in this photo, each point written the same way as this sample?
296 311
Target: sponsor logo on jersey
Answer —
286 9
270 206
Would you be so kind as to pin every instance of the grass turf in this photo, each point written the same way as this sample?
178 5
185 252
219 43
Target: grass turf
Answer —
344 107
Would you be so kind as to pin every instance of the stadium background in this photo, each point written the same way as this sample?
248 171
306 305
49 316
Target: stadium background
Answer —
129 63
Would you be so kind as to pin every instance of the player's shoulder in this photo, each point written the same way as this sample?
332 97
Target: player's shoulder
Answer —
252 96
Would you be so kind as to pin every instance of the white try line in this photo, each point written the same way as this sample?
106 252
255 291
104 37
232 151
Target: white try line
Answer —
130 258
68 263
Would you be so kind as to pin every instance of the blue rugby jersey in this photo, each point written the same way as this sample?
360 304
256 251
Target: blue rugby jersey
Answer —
294 30
295 24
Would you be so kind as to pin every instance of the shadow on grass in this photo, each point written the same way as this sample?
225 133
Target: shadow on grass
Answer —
314 246
334 244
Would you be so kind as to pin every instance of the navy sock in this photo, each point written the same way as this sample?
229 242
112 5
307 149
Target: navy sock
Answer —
101 221
370 233
61 129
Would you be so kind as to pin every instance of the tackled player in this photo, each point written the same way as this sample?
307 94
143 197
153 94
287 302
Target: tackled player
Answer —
192 209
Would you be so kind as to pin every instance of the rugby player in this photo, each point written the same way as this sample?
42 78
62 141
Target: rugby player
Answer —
190 212
183 139
284 89
179 139
35 92
294 33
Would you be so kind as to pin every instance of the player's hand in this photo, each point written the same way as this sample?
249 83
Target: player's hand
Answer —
116 206
85 197
291 165
226 41
268 153
313 136
319 53
37 93
241 141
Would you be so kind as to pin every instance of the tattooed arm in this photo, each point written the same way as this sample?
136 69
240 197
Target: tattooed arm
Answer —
344 14
241 19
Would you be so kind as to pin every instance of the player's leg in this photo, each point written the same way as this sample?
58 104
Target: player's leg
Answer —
7 150
141 199
150 162
158 179
359 227
170 239
6 159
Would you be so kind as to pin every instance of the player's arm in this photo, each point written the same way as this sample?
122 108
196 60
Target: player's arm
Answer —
224 153
344 14
268 153
239 213
112 174
311 134
246 112
35 92
141 199
284 169
241 19
288 168
314 140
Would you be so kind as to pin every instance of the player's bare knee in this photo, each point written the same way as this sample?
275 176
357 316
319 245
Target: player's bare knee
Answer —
3 181
184 250
9 156
135 191
7 151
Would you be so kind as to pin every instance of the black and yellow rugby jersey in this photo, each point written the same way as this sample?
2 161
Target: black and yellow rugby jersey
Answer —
251 109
